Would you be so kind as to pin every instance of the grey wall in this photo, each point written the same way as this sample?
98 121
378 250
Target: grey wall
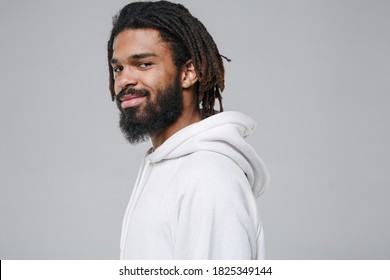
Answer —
313 74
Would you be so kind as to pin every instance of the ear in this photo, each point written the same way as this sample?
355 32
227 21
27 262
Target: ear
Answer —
188 75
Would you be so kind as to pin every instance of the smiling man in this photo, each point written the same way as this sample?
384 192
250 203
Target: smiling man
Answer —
195 195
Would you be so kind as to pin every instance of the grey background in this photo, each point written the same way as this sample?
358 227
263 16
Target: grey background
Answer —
313 74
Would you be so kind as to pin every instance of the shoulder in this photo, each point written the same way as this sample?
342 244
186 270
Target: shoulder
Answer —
208 162
207 172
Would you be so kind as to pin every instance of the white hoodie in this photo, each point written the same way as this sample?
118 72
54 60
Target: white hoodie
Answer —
194 197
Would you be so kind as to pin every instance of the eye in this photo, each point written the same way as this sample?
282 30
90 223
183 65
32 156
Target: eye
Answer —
117 69
145 65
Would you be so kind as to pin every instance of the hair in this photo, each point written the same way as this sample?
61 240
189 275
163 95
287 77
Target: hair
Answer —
188 39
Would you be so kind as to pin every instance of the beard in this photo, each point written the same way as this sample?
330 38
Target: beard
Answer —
141 122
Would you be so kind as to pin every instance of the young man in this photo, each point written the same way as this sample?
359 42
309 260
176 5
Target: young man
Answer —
195 195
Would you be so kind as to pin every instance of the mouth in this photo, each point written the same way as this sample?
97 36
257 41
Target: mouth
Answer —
131 97
131 100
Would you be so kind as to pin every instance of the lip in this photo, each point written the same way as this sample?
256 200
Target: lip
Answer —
131 100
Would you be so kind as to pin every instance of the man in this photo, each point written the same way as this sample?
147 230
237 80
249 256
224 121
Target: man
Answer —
194 197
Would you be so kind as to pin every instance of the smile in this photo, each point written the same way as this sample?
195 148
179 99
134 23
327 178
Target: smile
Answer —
131 100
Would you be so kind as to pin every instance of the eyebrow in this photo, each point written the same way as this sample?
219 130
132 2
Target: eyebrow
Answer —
135 57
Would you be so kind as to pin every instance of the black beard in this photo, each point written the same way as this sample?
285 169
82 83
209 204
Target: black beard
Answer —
140 122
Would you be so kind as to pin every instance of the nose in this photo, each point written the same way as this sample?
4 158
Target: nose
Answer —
125 79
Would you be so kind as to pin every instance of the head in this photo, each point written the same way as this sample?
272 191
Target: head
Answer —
187 40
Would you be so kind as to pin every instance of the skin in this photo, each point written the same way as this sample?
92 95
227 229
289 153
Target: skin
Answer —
143 61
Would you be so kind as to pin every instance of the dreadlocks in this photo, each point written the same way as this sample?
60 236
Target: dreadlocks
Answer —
188 38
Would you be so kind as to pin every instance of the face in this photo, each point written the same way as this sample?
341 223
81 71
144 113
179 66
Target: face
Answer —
147 84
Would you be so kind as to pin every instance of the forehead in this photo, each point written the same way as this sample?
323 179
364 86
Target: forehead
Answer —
137 41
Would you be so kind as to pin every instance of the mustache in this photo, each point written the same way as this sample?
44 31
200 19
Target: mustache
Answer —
130 91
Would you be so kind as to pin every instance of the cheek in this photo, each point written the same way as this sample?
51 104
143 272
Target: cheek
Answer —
116 87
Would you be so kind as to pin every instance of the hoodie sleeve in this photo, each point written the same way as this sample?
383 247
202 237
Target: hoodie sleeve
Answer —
213 210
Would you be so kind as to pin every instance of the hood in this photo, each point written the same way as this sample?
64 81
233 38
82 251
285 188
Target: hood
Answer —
222 133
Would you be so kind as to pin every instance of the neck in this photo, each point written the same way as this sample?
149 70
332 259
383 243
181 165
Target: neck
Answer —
188 116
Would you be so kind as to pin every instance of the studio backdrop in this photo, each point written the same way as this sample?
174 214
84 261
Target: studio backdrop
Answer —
313 74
